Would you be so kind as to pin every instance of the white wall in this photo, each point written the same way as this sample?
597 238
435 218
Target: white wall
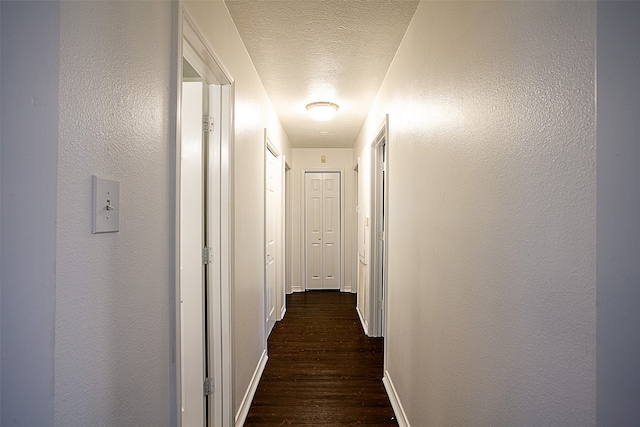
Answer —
492 280
29 153
618 159
253 113
310 158
114 291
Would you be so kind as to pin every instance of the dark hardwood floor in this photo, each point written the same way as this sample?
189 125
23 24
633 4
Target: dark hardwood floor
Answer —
322 369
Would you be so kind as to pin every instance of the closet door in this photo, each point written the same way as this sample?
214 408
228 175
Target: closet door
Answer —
322 230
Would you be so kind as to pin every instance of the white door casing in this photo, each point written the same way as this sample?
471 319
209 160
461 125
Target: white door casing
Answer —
323 230
281 285
378 284
208 179
287 234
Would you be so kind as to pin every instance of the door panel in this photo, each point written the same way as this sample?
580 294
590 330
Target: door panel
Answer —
315 261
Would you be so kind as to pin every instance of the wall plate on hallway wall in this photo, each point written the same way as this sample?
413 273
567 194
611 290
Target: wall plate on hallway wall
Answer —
106 205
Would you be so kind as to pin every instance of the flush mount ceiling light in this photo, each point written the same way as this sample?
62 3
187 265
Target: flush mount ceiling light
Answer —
322 111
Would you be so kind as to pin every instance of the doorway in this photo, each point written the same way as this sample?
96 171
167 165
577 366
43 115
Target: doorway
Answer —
272 216
379 235
323 230
274 237
204 168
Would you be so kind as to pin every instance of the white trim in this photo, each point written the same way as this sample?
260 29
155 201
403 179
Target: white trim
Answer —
354 235
227 246
243 411
282 235
176 342
269 145
203 48
365 328
401 416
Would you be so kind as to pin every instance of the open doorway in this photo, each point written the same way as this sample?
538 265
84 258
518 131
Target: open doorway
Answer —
204 168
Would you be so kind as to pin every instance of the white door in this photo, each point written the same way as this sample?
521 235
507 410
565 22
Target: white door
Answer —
192 284
271 225
322 230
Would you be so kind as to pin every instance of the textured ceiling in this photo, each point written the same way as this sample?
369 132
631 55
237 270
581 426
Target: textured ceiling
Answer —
322 50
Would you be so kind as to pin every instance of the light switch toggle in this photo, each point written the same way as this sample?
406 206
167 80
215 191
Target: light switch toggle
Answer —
109 207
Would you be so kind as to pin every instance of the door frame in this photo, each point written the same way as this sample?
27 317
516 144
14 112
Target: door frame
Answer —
287 234
378 282
193 45
303 223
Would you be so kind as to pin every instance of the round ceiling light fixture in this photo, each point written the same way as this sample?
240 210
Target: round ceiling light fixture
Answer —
322 111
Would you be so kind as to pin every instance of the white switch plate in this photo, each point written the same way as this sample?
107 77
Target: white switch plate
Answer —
106 205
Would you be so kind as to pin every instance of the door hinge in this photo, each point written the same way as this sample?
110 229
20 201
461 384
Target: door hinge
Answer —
381 235
209 386
380 305
207 123
207 255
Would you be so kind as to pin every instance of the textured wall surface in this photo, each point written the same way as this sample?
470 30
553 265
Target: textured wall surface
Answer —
328 50
310 158
492 286
253 113
113 291
618 213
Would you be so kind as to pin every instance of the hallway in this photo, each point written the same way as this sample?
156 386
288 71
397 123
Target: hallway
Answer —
511 160
322 369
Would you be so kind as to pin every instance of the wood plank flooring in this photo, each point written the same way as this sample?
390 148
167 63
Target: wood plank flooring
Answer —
322 369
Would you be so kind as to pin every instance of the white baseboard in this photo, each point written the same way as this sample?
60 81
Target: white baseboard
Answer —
283 312
241 416
362 322
401 417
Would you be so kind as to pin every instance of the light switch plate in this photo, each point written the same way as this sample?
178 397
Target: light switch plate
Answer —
106 205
